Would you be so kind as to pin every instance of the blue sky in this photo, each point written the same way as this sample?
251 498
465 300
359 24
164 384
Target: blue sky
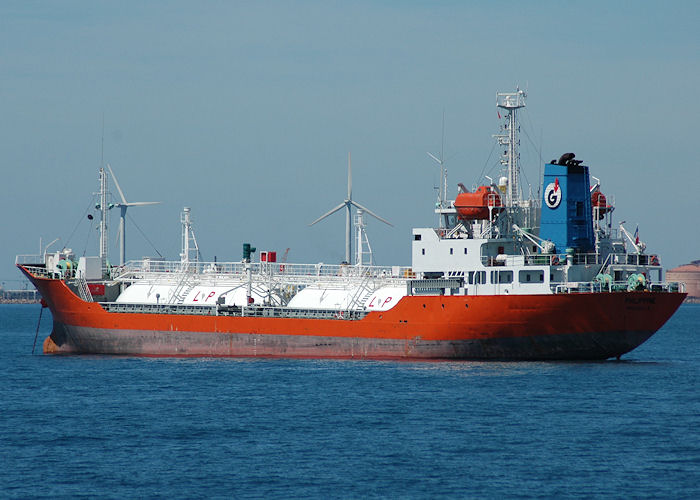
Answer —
245 111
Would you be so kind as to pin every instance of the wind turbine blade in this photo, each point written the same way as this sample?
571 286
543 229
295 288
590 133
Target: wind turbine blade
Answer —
349 177
332 211
357 205
116 183
141 203
434 158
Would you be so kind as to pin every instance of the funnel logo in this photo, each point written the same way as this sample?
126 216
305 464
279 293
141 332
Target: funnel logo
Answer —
553 194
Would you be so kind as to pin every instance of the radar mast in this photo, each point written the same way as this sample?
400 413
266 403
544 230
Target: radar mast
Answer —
104 207
511 102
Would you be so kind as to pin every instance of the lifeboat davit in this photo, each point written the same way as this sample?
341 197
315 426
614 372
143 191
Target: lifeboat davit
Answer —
599 201
475 206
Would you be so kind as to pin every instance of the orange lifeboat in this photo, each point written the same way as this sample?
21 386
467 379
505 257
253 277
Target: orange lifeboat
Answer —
475 206
599 201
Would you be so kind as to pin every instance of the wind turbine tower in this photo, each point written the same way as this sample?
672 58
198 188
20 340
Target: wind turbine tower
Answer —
347 204
123 205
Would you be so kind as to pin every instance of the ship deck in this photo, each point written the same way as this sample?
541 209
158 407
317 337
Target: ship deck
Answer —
253 311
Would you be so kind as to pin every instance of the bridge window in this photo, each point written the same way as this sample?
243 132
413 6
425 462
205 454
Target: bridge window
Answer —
531 276
505 276
477 277
501 277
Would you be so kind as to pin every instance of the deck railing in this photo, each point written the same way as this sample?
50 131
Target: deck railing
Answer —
615 286
29 259
145 268
43 272
578 258
252 311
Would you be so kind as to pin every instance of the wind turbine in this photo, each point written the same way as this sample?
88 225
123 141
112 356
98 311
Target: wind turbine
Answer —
122 216
347 204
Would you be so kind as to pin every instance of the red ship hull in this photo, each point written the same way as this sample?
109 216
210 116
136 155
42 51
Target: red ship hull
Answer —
503 327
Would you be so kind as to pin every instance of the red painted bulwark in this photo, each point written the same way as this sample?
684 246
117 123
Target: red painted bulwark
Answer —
96 288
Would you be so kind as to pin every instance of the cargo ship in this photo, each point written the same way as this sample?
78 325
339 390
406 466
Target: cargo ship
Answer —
500 277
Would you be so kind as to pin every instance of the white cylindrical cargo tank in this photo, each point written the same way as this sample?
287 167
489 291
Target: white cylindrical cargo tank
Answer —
321 297
147 293
385 298
234 294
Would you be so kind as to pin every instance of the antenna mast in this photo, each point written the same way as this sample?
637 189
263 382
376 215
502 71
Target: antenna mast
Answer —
362 241
187 237
442 203
442 162
103 206
102 144
348 211
511 102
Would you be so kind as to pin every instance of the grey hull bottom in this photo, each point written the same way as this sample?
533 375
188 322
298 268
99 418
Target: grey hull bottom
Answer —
579 346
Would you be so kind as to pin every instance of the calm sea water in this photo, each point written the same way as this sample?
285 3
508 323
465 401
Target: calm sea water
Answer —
100 426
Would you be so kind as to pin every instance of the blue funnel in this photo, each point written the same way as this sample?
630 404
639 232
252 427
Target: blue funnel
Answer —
567 218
